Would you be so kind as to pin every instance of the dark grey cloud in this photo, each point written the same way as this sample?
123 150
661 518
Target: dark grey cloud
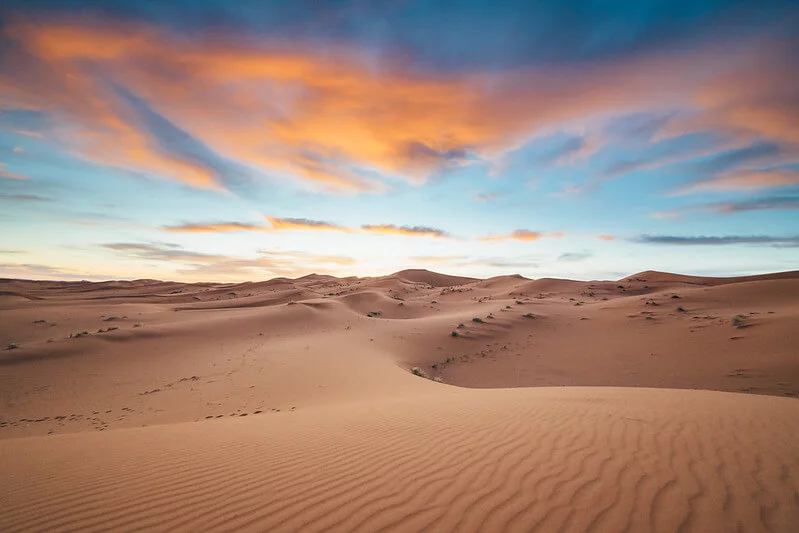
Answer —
701 240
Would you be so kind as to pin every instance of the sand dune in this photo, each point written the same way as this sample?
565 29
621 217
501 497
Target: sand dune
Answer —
289 405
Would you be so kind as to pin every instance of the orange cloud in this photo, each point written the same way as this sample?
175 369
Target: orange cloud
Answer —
292 224
604 237
522 235
745 180
11 175
221 227
325 119
408 231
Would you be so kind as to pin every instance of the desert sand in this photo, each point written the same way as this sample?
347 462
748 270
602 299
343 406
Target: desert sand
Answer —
411 402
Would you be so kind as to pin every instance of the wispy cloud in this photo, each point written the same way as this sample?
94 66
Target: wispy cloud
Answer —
23 198
303 224
408 231
213 227
195 110
162 252
744 180
605 237
11 175
791 241
522 235
571 257
769 203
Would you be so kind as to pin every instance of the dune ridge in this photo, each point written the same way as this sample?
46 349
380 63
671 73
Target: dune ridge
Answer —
288 405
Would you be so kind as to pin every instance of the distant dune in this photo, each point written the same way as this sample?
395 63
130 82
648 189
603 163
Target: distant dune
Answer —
658 402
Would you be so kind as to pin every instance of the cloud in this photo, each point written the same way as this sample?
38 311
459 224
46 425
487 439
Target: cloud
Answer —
37 271
769 203
744 180
570 257
18 150
408 231
213 227
605 237
292 224
522 235
203 111
786 242
11 175
23 198
486 197
162 252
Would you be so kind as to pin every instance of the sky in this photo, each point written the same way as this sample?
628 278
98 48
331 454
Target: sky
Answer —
230 141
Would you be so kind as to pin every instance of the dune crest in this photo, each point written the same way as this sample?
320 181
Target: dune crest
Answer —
292 404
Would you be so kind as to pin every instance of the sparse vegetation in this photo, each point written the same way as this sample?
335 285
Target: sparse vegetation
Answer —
111 318
416 371
680 310
519 302
739 321
675 297
374 314
490 315
137 325
401 304
478 320
40 321
438 379
461 325
454 333
12 346
528 315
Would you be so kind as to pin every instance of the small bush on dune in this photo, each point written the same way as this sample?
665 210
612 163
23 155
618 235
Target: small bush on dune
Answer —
461 325
416 371
454 333
12 346
680 310
528 315
739 321
477 320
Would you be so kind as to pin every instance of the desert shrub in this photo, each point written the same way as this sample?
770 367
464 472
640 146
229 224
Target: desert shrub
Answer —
454 333
12 346
739 321
477 320
416 371
680 310
528 315
461 325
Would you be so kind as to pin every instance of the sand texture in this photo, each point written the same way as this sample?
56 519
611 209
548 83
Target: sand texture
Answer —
654 403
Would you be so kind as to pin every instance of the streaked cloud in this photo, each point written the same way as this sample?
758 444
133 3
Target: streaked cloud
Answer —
23 198
570 257
196 111
303 224
213 227
408 231
745 180
522 235
11 175
605 237
768 203
788 242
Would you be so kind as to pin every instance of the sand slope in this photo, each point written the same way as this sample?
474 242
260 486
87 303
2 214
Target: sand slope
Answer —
289 404
569 459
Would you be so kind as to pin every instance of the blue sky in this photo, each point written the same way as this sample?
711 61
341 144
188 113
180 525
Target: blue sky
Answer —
231 141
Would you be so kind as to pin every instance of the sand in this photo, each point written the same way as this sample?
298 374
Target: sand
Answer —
654 403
